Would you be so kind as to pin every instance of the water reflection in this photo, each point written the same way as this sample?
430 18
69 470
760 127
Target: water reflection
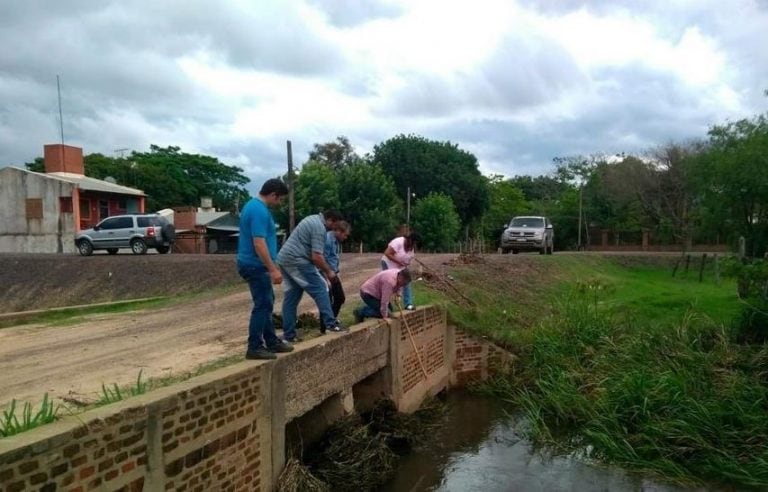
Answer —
478 448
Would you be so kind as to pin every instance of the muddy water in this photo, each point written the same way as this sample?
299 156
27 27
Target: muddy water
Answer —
479 449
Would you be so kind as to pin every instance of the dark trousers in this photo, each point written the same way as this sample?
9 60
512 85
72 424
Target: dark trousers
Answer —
337 295
261 331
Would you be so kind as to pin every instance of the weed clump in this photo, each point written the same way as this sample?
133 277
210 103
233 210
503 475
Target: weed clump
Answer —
686 402
360 453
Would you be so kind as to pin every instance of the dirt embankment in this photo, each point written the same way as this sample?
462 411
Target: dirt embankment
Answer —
45 281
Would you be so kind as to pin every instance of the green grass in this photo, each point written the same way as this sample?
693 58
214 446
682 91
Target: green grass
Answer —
619 361
15 420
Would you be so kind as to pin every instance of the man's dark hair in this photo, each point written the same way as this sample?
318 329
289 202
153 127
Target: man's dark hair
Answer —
405 274
273 185
333 214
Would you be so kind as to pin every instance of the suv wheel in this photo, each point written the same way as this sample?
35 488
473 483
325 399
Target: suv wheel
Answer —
551 249
84 247
505 251
138 246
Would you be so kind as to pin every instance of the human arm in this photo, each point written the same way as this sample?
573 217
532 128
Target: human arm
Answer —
262 250
319 261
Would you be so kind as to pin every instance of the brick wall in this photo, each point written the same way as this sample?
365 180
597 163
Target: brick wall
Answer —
202 435
225 430
476 359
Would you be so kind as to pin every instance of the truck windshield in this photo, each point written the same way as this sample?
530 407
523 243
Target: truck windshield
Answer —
527 222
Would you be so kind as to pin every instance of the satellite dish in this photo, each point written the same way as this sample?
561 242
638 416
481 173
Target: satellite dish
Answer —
110 179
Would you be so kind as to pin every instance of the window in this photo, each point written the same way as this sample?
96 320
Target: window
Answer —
65 204
117 223
121 204
85 208
34 208
103 209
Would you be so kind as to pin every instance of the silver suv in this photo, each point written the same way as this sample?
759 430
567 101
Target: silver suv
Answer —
529 233
137 232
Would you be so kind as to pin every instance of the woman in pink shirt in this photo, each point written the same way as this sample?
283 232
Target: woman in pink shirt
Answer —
399 253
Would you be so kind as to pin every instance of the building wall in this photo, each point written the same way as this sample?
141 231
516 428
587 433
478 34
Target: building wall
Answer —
225 430
19 233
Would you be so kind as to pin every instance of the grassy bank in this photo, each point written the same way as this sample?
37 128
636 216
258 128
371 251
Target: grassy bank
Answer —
623 363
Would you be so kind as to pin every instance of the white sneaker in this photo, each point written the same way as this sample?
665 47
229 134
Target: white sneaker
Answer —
409 307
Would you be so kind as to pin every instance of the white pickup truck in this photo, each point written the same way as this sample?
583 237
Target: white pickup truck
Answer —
528 233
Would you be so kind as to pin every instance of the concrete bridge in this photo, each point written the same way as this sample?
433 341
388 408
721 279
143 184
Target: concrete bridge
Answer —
226 430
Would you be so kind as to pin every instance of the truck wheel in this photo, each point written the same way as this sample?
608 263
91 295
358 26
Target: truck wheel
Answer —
551 249
543 250
505 251
84 247
138 246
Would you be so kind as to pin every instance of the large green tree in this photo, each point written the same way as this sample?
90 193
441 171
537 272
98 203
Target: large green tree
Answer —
436 220
336 154
369 202
732 177
316 189
428 166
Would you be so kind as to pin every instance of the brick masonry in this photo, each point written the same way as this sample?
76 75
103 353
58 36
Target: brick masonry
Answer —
225 430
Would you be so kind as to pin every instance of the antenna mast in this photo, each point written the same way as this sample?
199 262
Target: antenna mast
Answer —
61 115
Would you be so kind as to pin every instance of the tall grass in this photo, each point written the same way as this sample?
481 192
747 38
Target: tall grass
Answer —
12 423
681 400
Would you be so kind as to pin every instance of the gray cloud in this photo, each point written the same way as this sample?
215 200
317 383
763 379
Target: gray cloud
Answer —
343 13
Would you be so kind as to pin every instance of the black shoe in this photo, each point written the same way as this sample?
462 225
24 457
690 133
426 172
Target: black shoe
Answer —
337 327
281 348
260 354
295 339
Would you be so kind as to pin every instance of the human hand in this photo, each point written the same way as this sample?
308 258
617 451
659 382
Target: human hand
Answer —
276 276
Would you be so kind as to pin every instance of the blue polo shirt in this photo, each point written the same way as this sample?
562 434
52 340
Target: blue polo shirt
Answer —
255 221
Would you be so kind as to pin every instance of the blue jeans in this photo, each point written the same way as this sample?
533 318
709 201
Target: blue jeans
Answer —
407 291
296 280
372 306
261 331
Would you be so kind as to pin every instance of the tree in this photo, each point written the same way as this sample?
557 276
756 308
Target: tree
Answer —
370 204
732 176
316 189
335 155
436 221
171 178
37 166
506 201
428 166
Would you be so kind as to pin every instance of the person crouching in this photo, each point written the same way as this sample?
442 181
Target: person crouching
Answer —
377 291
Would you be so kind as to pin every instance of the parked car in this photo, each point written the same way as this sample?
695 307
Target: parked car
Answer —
137 231
528 233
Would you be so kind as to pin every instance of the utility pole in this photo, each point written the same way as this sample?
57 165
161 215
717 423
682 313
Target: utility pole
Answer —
291 203
581 193
408 210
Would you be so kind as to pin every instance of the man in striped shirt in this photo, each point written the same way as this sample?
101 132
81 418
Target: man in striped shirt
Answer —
304 268
377 291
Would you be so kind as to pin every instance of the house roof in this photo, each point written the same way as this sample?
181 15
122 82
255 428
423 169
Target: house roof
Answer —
93 184
86 183
205 218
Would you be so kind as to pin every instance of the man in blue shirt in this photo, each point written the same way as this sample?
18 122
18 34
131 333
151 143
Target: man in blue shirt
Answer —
301 262
256 256
332 254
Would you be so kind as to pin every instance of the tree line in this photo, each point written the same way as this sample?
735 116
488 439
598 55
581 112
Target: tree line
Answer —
711 190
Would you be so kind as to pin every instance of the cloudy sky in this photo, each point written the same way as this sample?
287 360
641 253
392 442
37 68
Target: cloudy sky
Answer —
514 82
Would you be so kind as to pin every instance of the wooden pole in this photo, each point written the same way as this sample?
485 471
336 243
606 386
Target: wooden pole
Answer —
291 199
701 268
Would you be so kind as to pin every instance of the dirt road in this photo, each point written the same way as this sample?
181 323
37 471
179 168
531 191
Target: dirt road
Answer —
73 361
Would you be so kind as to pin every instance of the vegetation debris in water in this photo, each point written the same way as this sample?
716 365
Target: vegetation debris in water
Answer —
360 453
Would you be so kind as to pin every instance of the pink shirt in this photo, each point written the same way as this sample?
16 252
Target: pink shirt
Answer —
401 255
382 286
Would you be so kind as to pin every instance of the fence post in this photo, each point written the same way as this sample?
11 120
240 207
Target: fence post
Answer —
742 248
687 262
701 268
717 270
